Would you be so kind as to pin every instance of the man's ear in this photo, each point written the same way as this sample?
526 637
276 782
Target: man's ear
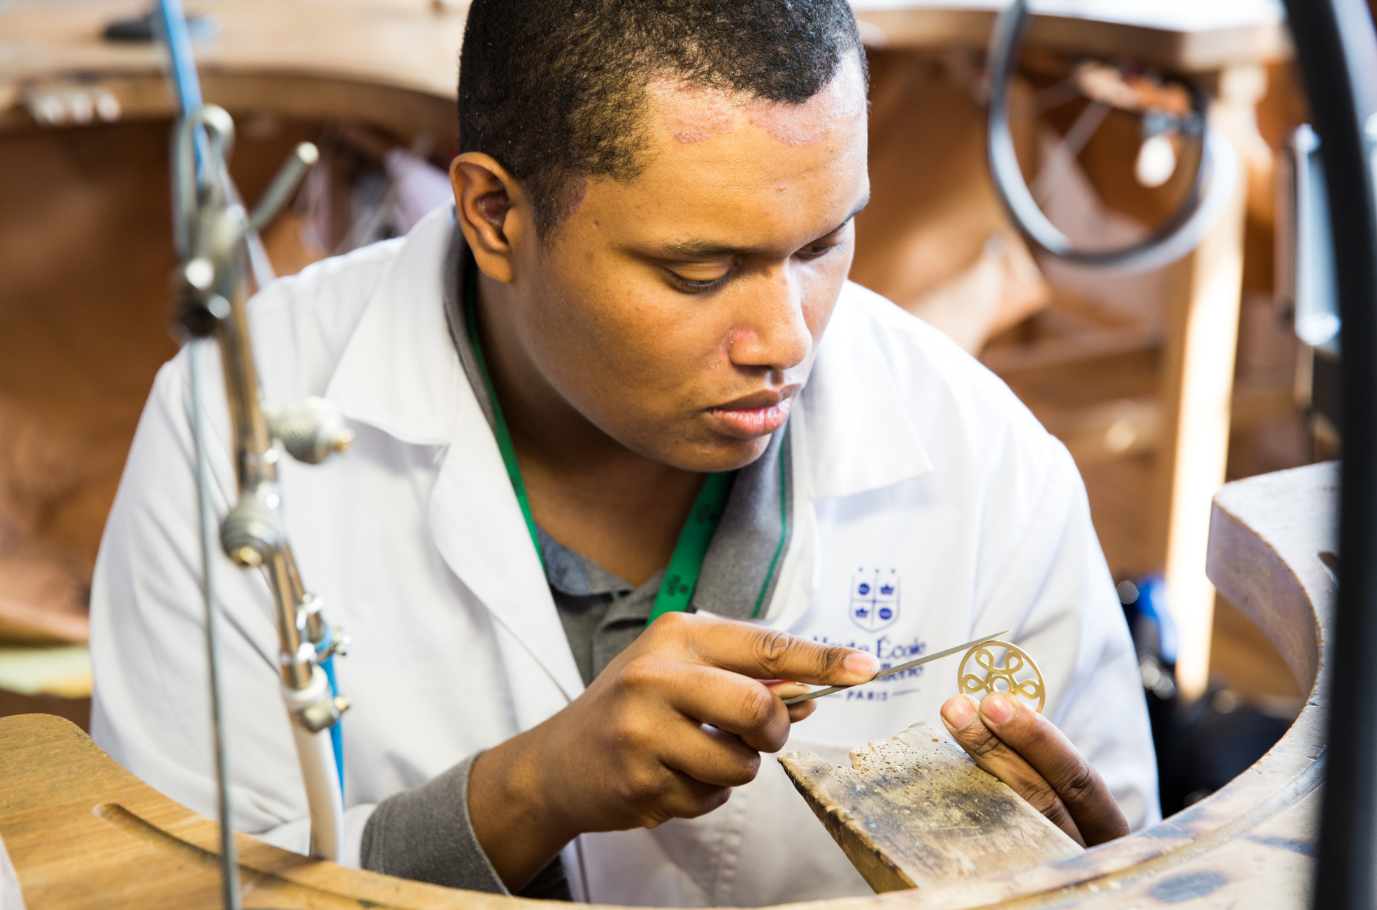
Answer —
493 213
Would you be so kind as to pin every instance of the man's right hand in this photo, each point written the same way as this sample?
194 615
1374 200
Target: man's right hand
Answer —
678 719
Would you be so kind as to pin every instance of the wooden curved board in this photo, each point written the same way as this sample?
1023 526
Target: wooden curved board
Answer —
83 832
390 61
1177 35
1269 558
391 64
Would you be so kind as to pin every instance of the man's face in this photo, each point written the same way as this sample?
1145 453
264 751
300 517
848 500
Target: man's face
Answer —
680 311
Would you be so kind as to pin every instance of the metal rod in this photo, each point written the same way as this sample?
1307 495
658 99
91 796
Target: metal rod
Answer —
1065 153
918 662
210 545
255 458
295 662
1337 51
284 184
256 466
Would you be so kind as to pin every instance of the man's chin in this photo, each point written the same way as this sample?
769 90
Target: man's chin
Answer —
717 453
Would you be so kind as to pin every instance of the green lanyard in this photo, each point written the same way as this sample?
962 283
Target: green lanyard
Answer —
685 563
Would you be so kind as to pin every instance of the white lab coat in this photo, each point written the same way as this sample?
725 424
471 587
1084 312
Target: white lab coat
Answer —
912 466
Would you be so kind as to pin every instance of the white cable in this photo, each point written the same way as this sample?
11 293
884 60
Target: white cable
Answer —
317 757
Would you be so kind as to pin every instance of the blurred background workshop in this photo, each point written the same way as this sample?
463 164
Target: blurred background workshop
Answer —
1164 384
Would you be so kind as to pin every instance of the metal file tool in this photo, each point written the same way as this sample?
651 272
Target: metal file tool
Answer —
926 658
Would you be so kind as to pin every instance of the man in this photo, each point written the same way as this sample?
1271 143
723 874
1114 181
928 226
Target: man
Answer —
631 337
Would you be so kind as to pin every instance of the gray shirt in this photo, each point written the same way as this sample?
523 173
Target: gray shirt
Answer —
425 833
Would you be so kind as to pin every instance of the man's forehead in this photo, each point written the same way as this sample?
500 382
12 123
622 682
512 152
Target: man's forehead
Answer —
725 170
689 114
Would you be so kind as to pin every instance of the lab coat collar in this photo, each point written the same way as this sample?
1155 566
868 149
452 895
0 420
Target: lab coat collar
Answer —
861 436
401 374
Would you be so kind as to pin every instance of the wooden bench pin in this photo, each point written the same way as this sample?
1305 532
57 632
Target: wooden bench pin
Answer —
913 811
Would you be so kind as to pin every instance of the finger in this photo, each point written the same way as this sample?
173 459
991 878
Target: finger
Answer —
962 718
763 653
783 690
656 793
711 756
731 702
687 798
1082 790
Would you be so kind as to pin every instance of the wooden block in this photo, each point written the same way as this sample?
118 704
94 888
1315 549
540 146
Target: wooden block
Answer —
913 811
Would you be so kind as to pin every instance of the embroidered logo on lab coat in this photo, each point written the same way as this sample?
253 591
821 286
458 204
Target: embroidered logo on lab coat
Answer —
874 598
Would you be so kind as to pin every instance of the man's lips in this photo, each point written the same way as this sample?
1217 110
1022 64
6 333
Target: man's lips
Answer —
754 415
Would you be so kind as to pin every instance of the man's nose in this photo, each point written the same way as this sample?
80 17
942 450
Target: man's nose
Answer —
771 327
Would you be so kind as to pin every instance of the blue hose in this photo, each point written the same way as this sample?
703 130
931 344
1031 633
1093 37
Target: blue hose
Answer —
187 84
337 730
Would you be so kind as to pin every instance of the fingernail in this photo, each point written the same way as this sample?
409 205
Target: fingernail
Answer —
997 708
860 663
958 712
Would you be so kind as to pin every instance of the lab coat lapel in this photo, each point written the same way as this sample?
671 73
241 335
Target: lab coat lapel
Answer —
850 434
860 437
398 372
480 532
401 374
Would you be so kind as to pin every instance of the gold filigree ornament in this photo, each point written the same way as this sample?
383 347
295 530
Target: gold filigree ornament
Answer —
988 673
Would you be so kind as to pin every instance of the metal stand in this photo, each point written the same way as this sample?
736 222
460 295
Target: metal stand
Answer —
215 289
218 245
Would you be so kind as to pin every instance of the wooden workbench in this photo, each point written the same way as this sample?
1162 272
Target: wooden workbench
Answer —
391 63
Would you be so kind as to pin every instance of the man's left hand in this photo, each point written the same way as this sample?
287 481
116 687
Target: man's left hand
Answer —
1028 753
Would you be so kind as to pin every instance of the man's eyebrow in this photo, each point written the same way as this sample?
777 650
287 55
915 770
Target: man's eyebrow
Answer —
709 249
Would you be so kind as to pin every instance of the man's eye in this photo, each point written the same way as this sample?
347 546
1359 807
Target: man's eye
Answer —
817 250
698 286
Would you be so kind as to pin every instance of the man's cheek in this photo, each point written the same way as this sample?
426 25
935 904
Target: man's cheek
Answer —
655 375
819 307
825 289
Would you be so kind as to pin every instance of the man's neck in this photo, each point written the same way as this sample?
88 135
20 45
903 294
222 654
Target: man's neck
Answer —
586 490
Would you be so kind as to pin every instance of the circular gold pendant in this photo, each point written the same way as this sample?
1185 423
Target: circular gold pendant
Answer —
989 674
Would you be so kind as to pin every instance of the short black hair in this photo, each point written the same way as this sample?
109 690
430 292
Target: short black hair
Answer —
556 90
